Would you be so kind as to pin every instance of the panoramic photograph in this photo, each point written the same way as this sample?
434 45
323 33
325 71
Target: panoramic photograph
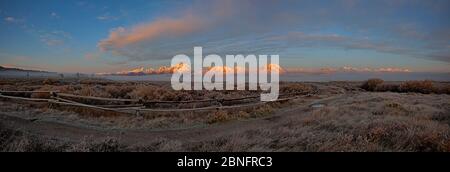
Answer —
225 76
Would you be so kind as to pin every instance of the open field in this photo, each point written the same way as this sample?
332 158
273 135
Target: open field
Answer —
322 116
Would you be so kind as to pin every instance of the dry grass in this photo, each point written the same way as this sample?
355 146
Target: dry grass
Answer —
361 121
222 116
19 141
364 122
398 125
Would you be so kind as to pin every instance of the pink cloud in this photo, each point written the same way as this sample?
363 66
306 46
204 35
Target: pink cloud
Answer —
121 37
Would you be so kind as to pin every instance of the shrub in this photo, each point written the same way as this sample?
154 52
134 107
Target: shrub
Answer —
95 91
387 87
243 114
219 116
425 87
50 81
262 111
182 96
169 96
295 88
118 91
42 95
94 82
64 89
445 90
147 93
371 84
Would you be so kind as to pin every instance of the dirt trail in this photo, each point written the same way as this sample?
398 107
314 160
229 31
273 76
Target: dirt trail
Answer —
130 136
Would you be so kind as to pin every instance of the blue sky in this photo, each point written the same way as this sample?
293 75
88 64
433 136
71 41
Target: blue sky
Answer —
107 36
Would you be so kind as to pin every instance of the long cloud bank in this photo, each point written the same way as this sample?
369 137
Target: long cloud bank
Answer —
247 26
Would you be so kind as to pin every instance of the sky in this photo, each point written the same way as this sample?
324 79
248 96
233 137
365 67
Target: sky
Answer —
98 36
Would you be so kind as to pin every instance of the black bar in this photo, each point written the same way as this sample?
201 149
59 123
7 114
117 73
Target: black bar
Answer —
170 161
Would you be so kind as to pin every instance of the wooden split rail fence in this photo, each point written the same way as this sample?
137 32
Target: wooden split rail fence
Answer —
136 106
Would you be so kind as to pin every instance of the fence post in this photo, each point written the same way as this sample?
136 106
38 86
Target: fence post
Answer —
138 114
220 102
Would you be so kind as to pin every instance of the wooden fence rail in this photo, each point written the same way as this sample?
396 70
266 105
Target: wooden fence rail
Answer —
159 101
58 94
137 108
3 91
24 98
